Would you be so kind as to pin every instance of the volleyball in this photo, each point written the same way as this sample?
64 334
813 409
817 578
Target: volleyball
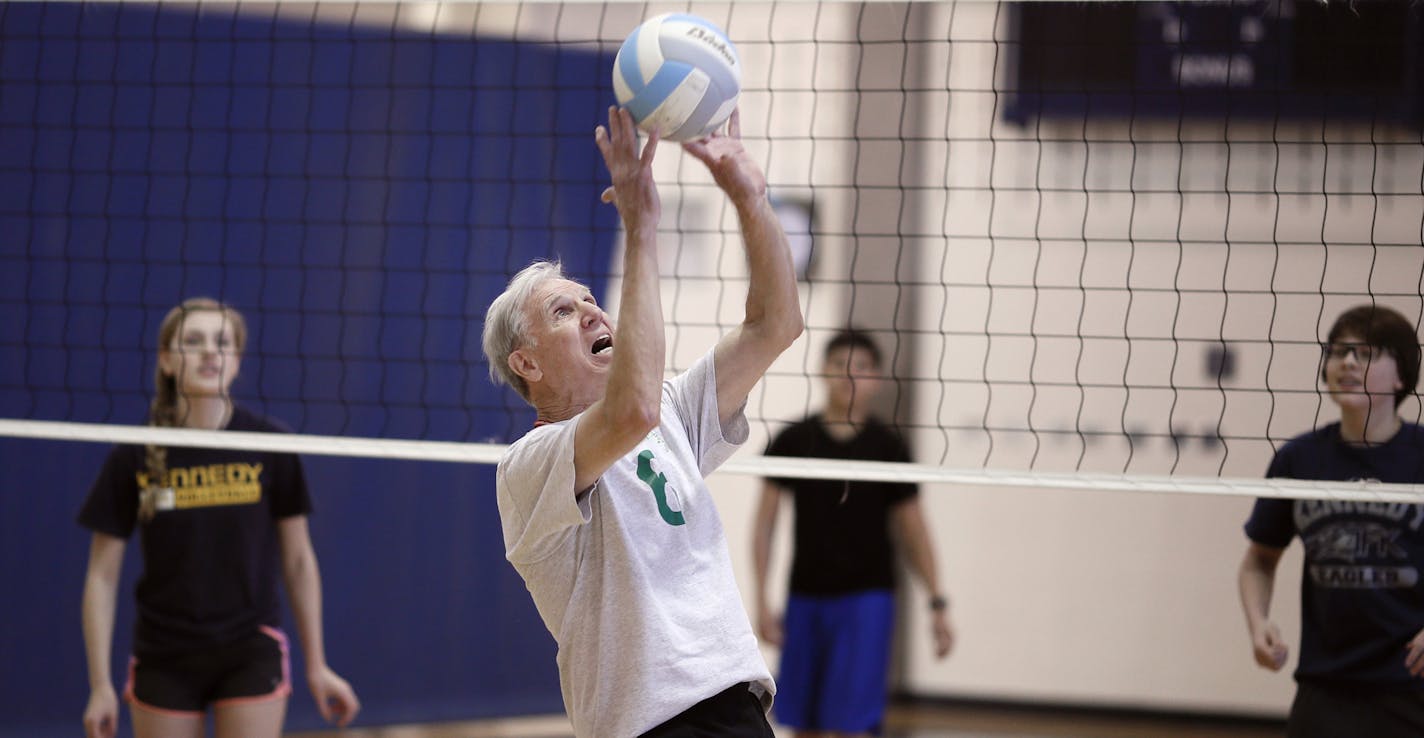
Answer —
678 74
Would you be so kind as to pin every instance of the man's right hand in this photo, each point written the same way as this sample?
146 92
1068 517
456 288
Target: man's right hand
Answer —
634 192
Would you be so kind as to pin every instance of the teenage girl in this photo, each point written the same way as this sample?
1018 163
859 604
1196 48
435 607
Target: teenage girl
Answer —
217 526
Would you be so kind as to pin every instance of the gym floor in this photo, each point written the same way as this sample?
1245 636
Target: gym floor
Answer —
908 720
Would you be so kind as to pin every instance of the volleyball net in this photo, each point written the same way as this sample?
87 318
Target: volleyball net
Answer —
1099 244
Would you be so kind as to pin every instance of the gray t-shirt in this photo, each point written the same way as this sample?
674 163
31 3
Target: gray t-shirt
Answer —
633 578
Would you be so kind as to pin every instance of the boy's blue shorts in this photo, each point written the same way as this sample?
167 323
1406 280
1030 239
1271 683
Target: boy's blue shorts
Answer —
834 662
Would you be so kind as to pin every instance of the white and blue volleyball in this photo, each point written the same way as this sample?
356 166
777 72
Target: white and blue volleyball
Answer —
678 74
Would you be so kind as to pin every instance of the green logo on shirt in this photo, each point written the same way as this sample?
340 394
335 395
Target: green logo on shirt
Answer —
658 483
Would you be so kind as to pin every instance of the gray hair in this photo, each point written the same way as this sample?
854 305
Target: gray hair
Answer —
507 325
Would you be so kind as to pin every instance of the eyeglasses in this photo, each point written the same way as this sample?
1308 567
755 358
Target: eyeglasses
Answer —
1363 352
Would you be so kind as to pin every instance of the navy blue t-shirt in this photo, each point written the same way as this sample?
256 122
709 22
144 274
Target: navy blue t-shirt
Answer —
1361 600
211 553
841 528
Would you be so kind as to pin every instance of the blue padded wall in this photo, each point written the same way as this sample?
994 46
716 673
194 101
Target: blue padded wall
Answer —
360 194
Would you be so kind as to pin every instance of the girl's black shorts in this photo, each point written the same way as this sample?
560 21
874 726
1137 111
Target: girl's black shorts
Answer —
254 669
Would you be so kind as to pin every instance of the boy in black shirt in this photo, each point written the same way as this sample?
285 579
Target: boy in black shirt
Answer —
1361 669
839 617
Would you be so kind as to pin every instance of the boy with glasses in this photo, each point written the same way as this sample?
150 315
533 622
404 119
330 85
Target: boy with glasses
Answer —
1361 669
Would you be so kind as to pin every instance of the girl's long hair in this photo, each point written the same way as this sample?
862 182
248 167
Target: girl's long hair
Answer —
163 411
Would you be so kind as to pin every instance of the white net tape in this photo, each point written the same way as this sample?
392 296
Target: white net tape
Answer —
765 466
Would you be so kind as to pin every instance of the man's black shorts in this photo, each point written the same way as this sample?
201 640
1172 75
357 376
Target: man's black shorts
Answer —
736 711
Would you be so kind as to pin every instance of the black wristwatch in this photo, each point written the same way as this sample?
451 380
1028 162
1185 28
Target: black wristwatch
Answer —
939 603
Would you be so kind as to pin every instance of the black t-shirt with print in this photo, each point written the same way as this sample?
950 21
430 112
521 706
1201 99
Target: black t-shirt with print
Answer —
842 528
1361 595
211 553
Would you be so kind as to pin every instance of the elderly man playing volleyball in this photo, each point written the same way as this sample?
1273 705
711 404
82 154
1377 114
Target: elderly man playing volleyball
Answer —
605 511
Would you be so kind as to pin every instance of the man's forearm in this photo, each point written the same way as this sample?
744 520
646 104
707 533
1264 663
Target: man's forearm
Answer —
771 291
